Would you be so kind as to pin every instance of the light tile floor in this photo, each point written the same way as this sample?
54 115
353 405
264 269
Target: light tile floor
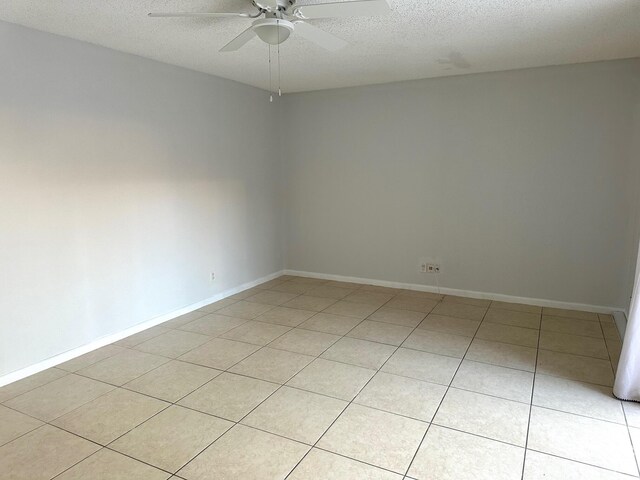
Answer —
310 379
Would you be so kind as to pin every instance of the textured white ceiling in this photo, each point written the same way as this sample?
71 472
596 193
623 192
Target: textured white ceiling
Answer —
419 39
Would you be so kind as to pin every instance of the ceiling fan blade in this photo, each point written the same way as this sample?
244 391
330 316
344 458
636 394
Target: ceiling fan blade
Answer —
319 37
239 41
344 9
199 14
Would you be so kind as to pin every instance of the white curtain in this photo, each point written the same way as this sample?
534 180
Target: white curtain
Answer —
627 386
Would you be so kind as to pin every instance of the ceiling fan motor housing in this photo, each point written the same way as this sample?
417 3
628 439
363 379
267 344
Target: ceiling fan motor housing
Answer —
282 4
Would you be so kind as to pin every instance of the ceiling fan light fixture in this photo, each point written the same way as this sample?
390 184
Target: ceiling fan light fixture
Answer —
272 30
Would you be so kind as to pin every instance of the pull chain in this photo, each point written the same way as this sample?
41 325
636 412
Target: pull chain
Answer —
279 89
270 67
270 82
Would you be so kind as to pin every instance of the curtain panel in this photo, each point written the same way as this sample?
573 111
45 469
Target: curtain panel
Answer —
627 385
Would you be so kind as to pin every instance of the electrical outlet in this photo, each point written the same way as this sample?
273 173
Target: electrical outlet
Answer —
212 276
429 265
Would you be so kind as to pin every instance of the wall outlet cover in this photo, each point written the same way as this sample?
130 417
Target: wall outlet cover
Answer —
429 265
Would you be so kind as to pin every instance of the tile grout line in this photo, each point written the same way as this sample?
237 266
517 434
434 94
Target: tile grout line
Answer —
345 456
354 397
624 412
487 309
435 413
144 421
359 391
25 433
300 389
599 467
281 385
170 403
533 387
123 386
107 446
32 389
178 359
234 422
291 328
338 398
264 400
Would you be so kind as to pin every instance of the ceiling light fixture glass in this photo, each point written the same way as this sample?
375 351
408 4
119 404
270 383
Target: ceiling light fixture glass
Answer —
273 30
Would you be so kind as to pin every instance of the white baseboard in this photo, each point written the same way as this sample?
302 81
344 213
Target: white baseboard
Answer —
463 293
619 316
114 337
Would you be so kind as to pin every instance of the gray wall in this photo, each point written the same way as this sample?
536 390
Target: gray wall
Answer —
123 183
516 182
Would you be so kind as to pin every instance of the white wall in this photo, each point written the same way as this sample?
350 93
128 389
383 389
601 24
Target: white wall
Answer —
517 182
123 183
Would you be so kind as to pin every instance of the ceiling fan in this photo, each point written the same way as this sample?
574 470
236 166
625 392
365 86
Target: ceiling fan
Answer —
282 17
